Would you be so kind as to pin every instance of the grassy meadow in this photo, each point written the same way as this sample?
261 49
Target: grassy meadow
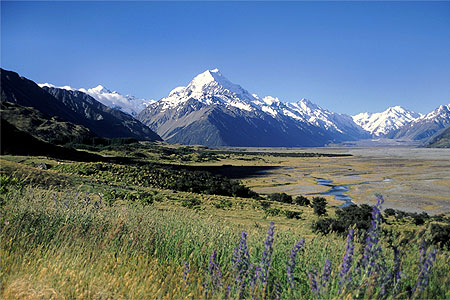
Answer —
141 227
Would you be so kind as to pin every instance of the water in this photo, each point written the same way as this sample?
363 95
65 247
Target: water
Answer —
338 191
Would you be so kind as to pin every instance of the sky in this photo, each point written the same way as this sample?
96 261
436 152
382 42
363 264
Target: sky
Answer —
348 57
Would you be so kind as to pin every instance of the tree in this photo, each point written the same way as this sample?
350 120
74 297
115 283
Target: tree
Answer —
302 201
281 197
319 205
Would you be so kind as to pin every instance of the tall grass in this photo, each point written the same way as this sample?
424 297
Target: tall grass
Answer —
72 245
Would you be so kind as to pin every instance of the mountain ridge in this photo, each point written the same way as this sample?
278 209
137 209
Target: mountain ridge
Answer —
72 106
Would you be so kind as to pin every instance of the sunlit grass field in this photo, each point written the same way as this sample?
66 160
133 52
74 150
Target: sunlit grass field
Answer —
61 239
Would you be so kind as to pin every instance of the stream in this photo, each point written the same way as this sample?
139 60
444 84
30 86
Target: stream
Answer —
338 191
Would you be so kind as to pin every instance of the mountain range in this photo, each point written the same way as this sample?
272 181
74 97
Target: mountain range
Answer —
126 103
213 111
71 106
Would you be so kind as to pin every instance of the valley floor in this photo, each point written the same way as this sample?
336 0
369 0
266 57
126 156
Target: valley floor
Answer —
410 179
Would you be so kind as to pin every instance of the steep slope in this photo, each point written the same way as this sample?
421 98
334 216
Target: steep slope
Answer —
25 92
39 125
441 140
383 123
102 120
72 106
426 126
339 124
213 111
17 142
126 103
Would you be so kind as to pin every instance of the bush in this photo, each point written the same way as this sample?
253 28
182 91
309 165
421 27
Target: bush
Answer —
419 219
323 225
8 182
272 211
302 201
440 235
110 196
161 176
389 212
265 204
319 204
290 214
353 215
191 203
281 197
359 217
224 203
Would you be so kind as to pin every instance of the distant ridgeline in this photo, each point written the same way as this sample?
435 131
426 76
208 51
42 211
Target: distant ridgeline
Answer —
209 111
58 115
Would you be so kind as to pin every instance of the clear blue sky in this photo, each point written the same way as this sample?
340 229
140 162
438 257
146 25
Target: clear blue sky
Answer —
348 57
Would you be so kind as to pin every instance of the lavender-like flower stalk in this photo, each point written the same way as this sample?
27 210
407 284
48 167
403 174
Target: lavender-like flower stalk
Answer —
372 249
267 254
241 261
397 270
425 265
313 282
214 274
292 262
348 259
186 272
325 273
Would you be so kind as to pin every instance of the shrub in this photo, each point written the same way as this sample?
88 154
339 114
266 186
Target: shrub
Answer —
440 235
353 215
272 211
281 197
8 182
319 204
224 203
290 214
191 203
419 219
302 201
389 212
323 225
265 204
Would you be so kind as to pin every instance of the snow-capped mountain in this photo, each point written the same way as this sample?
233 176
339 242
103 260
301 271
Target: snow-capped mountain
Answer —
380 124
210 87
72 106
126 103
209 108
426 126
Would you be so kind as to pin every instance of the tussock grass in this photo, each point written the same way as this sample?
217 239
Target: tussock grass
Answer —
69 245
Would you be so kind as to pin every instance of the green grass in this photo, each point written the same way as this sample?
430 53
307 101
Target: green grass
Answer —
64 245
66 235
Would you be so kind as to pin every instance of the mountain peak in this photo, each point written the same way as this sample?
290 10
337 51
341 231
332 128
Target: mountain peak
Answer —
208 77
65 87
101 89
384 122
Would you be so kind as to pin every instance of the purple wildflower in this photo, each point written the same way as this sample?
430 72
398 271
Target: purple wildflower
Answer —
425 265
214 274
267 254
54 198
292 261
325 273
241 260
186 272
227 292
348 258
396 271
372 249
254 274
313 282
